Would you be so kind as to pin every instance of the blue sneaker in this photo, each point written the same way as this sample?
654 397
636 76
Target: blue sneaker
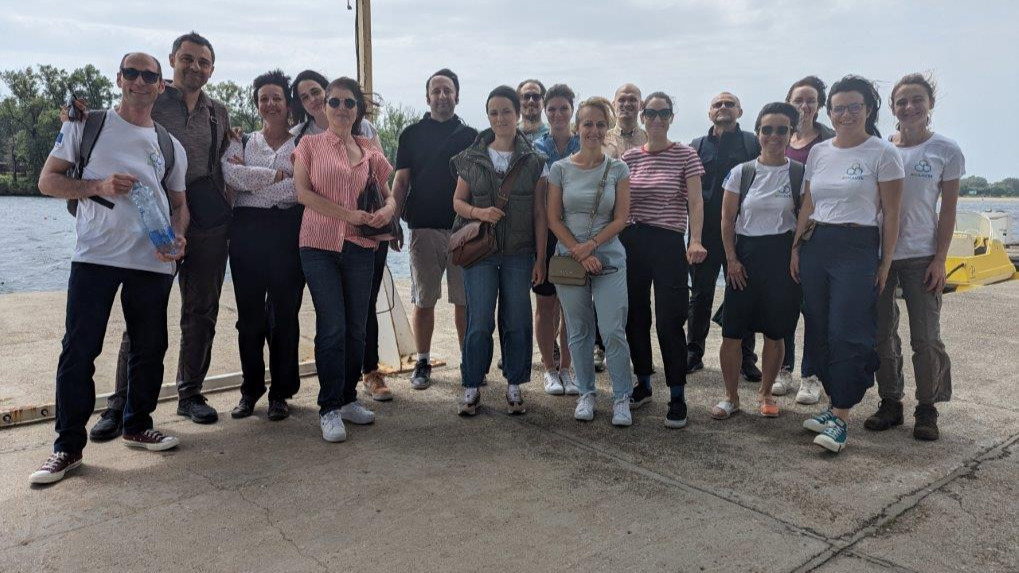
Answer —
820 422
833 438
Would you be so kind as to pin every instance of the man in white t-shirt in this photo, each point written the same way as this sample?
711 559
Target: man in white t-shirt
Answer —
113 253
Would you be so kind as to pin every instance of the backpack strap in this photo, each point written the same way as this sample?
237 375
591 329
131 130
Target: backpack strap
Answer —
244 140
748 171
90 133
796 172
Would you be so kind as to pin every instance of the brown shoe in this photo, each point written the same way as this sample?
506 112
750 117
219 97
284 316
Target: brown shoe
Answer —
375 384
55 468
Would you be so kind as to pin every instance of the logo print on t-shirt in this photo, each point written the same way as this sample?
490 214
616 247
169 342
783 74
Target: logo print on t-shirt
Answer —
784 191
60 141
855 169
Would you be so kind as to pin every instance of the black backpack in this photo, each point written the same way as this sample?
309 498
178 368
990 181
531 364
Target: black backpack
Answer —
90 134
749 172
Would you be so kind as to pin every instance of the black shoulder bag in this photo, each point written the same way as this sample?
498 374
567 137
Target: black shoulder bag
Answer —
207 203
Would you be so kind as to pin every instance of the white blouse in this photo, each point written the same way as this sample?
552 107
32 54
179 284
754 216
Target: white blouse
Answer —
255 181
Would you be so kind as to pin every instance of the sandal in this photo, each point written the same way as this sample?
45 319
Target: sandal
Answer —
768 408
724 410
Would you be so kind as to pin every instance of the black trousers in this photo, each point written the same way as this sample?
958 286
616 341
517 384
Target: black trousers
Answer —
265 263
703 279
371 329
91 290
656 257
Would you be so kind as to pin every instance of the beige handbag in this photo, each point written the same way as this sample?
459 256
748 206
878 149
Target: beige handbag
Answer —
565 270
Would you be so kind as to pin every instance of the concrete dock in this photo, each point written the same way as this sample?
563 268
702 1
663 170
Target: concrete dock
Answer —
425 490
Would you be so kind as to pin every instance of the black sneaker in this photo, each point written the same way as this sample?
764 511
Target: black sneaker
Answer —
676 418
693 365
751 373
278 410
197 409
422 377
888 415
641 395
244 408
109 426
925 427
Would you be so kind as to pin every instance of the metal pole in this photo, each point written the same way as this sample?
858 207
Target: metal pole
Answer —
363 27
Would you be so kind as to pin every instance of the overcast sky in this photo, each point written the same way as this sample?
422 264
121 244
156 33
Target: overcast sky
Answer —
690 49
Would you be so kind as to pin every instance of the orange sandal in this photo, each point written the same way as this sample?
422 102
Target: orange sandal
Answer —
768 408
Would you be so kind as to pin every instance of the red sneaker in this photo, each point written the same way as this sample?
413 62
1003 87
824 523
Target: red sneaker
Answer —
152 440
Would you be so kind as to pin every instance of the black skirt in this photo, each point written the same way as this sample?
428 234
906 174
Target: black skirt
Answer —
770 302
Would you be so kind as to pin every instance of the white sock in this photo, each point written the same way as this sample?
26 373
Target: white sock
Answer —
424 355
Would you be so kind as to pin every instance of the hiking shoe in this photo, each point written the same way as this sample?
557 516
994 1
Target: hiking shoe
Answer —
599 359
888 415
151 440
676 417
55 468
244 408
641 395
783 383
197 409
694 365
821 421
621 412
514 400
422 376
585 408
332 426
751 373
810 391
110 425
834 437
925 426
468 405
553 384
356 413
375 384
569 384
278 410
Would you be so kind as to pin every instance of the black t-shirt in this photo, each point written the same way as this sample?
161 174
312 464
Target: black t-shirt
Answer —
426 148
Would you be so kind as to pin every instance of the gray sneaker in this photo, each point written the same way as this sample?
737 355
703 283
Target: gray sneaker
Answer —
621 412
356 413
332 426
422 377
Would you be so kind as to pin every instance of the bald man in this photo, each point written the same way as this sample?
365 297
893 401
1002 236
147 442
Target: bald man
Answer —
724 147
626 134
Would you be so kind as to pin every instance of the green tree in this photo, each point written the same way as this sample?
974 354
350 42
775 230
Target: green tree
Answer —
390 123
239 102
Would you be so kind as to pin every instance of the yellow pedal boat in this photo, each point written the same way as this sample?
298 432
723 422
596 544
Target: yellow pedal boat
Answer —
976 257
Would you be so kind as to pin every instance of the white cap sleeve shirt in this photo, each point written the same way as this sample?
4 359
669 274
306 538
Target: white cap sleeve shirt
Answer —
843 182
768 208
114 237
927 165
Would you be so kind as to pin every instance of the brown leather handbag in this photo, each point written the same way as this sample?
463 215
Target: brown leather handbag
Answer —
476 240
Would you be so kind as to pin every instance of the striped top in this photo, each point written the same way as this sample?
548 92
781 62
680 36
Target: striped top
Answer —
658 185
333 177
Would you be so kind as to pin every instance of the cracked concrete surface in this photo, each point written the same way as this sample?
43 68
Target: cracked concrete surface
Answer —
424 490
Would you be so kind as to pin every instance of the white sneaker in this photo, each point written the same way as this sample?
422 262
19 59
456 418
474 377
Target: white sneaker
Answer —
621 412
332 426
585 408
810 391
356 413
514 400
553 385
569 384
783 383
468 406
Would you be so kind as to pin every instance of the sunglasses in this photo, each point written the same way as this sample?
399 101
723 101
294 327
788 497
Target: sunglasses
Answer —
131 74
349 103
650 114
778 130
724 103
853 108
531 97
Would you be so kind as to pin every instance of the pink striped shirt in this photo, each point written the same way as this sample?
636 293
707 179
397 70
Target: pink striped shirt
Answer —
658 185
333 177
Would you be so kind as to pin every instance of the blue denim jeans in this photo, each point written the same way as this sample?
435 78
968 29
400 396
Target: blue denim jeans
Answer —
340 285
505 279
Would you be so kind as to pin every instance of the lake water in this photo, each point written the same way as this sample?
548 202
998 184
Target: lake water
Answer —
37 240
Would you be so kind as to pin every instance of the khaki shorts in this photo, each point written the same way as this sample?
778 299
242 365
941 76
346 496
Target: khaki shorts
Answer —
429 258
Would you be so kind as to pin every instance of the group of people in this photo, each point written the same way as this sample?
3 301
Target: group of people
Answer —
798 216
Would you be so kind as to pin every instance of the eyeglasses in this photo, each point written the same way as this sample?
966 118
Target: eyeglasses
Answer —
531 97
724 103
349 103
853 108
778 130
650 114
131 74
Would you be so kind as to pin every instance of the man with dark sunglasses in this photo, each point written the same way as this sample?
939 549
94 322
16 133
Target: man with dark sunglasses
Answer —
111 253
532 99
724 147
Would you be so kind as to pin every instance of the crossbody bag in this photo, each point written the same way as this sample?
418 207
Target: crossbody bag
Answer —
476 240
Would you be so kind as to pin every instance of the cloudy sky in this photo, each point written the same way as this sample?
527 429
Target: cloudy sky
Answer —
690 49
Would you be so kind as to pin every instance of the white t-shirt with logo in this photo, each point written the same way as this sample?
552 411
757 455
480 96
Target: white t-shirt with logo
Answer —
927 165
843 182
114 237
768 208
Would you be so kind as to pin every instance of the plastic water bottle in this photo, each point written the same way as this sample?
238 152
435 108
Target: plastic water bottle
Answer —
155 223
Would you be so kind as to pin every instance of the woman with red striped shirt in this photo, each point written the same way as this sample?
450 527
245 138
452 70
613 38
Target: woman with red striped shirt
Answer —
331 170
665 193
